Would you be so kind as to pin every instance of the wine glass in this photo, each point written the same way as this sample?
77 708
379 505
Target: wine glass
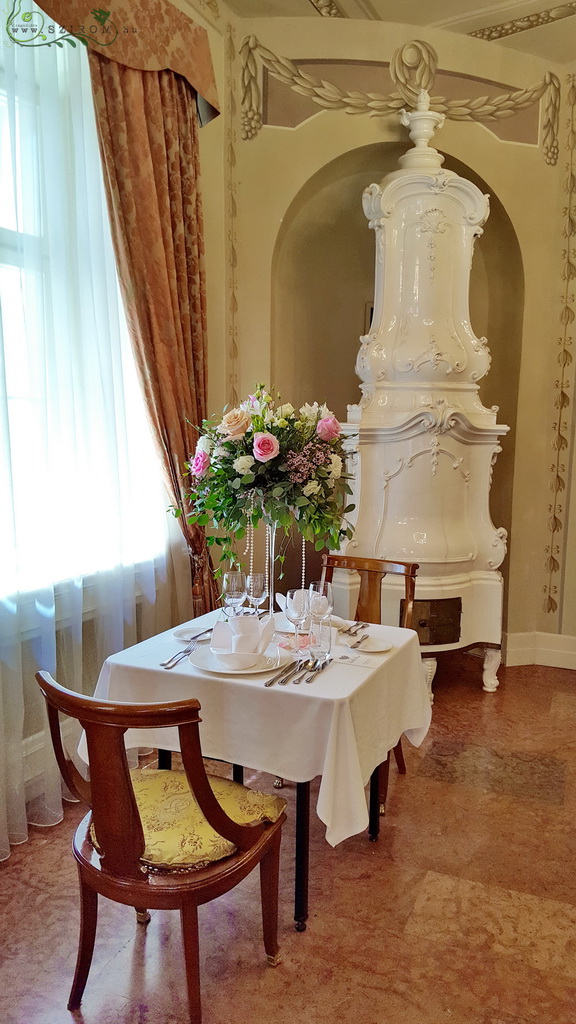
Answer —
256 589
296 611
321 600
233 591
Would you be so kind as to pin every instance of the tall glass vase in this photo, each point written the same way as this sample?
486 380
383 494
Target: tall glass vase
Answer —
270 563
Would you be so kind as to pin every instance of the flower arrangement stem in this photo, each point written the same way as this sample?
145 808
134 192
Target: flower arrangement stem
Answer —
270 557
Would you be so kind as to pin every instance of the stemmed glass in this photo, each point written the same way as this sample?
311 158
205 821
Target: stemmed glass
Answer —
257 590
296 611
233 591
321 600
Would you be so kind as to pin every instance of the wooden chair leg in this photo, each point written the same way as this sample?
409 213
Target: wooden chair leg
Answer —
269 879
399 757
142 915
88 921
189 920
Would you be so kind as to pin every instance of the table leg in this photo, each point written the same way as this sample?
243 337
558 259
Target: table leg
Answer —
238 773
374 805
165 760
302 854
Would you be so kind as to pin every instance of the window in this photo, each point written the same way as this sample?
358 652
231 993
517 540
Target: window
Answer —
80 487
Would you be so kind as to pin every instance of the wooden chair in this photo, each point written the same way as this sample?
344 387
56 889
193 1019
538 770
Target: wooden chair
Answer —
163 840
369 609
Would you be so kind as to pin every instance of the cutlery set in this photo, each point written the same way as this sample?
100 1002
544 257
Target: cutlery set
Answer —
295 673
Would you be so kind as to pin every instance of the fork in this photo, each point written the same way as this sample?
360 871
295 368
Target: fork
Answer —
360 640
355 628
176 658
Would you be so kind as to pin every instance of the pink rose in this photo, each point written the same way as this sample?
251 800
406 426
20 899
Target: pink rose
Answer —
328 428
199 463
265 446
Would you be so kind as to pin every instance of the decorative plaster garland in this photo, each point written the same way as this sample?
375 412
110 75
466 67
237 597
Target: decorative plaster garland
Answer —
413 67
564 381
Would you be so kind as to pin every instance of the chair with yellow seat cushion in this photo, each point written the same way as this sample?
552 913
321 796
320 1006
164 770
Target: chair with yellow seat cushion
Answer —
160 839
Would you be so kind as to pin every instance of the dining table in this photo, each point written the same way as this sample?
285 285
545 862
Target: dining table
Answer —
340 727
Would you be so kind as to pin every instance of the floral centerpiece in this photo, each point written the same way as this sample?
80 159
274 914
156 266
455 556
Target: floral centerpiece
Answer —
267 461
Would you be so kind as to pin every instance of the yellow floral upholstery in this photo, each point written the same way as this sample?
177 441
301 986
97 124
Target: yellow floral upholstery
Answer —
176 833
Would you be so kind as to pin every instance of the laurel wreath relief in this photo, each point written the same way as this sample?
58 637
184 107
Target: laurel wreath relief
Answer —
412 68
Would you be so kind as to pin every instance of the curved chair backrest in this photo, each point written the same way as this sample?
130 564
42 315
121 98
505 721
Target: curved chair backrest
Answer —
109 792
372 571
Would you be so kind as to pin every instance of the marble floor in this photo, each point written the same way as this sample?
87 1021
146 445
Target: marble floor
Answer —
463 912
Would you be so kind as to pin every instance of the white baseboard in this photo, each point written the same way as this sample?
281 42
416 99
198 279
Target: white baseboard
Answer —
540 649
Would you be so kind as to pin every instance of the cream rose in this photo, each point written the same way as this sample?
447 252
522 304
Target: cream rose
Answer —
243 464
312 487
234 424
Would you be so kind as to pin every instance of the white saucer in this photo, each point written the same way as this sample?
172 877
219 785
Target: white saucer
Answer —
372 645
204 659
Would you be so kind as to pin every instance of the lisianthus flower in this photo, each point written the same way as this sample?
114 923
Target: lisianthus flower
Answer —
328 428
265 447
243 464
234 424
312 487
285 411
205 444
335 466
309 412
200 463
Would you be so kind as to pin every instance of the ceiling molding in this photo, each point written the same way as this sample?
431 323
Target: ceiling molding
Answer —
328 8
510 28
490 11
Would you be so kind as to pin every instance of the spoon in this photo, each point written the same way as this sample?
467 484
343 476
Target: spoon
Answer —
307 666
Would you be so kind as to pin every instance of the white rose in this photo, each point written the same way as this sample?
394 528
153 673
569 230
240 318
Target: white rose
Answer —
312 487
285 411
205 444
335 469
243 464
309 412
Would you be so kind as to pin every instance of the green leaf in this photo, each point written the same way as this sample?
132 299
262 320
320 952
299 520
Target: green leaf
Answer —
247 479
203 520
277 492
349 508
236 483
301 502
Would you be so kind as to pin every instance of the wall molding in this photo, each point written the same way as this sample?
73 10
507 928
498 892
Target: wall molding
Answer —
552 649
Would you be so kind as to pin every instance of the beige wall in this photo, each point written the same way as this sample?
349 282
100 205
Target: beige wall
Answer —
290 271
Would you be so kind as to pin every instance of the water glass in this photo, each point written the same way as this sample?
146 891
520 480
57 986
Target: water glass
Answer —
321 600
320 639
256 589
297 611
233 591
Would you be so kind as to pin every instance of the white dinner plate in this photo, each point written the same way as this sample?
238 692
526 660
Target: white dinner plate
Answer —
186 633
204 659
372 645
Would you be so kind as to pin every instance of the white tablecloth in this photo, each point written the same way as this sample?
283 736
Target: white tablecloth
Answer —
340 727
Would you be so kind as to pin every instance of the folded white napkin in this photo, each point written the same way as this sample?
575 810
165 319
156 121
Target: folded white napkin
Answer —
281 601
242 634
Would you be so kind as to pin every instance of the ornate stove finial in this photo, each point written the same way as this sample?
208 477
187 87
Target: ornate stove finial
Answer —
422 123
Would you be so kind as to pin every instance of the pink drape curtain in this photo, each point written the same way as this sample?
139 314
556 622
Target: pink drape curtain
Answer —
148 140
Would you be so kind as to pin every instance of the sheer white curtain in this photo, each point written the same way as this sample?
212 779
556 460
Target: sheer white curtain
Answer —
83 522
